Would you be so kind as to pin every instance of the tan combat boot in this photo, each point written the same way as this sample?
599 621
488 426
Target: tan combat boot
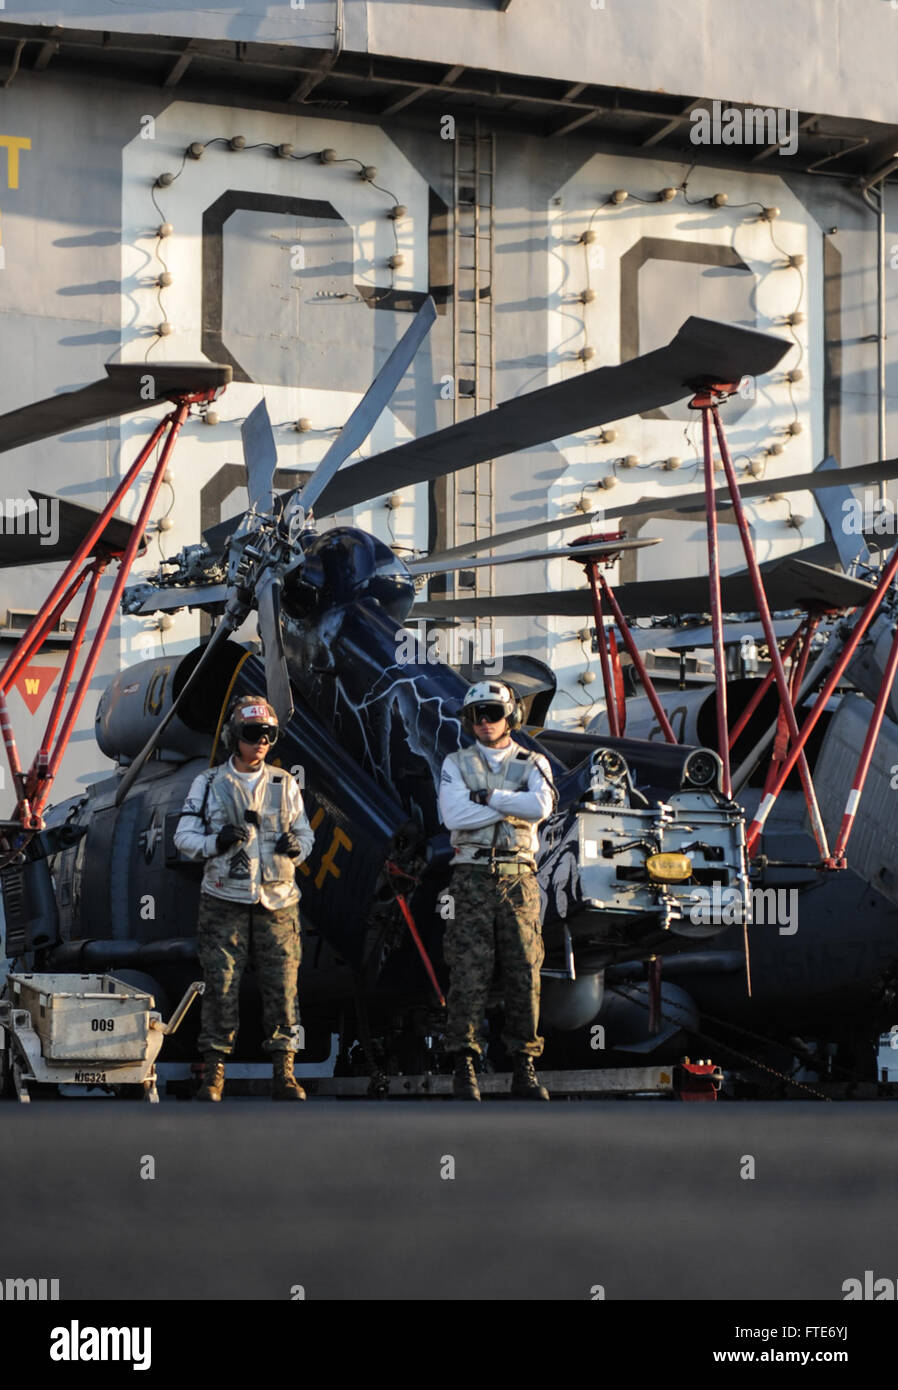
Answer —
464 1082
284 1085
213 1083
525 1082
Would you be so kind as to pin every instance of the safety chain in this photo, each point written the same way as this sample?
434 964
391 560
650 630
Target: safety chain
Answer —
847 1073
715 1042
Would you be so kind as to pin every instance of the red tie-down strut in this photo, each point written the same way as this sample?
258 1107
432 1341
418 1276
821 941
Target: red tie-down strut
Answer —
32 788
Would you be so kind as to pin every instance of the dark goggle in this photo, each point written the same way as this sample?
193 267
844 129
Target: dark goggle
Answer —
491 713
254 733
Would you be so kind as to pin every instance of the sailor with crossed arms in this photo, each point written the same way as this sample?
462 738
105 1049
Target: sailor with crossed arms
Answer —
493 797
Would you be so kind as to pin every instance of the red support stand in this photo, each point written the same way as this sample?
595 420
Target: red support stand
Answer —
829 685
707 401
763 686
40 777
704 404
33 788
776 660
608 676
863 765
614 686
41 624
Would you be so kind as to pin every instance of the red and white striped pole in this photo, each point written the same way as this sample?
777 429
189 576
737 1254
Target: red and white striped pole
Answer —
23 812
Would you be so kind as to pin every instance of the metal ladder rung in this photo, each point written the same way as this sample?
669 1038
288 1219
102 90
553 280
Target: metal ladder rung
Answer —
474 191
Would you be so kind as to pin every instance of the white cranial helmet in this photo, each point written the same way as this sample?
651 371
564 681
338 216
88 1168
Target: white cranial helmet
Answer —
493 693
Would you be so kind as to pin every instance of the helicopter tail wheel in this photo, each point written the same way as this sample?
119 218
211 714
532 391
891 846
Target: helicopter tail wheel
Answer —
378 1086
150 1094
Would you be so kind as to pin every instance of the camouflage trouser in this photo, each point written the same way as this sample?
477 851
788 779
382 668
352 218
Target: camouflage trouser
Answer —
497 916
227 935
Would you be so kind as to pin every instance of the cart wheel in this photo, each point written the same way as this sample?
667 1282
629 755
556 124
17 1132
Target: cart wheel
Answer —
20 1085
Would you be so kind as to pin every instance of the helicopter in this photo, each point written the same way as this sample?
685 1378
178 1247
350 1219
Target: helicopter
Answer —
98 882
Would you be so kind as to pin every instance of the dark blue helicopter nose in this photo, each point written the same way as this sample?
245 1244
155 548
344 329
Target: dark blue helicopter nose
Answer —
347 564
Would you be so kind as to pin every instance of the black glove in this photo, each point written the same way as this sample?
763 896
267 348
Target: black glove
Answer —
230 835
481 797
289 844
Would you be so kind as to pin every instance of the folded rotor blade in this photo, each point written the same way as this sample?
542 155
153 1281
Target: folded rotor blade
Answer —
817 481
831 501
65 524
789 583
651 639
597 551
277 678
260 456
187 596
368 411
687 502
130 386
225 627
702 351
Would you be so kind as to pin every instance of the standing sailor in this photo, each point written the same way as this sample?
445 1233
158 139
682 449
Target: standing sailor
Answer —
248 822
493 796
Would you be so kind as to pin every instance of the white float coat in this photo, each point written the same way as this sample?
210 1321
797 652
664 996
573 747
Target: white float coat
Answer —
459 813
265 877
